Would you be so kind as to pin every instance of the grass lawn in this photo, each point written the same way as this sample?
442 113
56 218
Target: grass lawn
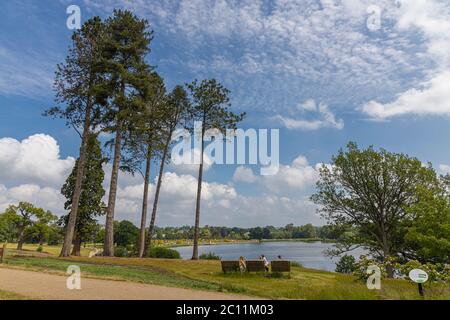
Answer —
207 275
53 250
4 295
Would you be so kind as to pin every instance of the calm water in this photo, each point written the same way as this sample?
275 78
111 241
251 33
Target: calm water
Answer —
309 254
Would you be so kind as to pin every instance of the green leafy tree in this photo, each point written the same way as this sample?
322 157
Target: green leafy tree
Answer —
41 230
91 205
25 216
127 42
8 228
368 190
428 234
346 264
125 234
77 86
209 105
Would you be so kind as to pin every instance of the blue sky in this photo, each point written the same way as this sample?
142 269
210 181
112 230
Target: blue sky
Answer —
315 69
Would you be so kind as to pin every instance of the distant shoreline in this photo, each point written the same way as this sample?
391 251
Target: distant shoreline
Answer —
218 242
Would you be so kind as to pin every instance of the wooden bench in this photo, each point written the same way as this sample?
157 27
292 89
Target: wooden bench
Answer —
255 266
280 266
230 266
2 253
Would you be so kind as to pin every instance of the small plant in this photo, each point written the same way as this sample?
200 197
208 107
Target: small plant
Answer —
346 265
209 256
120 252
40 249
164 253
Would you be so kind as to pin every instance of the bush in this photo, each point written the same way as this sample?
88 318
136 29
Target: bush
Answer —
165 253
347 264
120 252
209 256
39 249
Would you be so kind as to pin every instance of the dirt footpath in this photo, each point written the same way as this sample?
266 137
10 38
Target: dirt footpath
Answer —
53 287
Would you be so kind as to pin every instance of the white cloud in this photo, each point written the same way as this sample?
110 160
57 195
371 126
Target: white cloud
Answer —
326 119
34 172
297 176
33 160
45 197
243 174
445 169
430 97
187 163
292 47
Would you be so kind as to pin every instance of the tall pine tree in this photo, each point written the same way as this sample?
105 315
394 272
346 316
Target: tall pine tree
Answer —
90 205
210 103
77 87
127 43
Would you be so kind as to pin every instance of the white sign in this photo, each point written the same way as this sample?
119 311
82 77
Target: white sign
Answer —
418 276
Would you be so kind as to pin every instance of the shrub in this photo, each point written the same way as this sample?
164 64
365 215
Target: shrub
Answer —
165 253
120 252
347 264
39 249
209 256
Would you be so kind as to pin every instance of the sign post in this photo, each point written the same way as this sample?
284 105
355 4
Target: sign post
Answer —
419 276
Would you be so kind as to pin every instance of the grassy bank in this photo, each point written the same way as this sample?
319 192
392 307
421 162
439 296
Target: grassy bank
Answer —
206 275
4 295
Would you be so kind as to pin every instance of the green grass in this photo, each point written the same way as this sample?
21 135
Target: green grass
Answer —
53 250
206 275
4 295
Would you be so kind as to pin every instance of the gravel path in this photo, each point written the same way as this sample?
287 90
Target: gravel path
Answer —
53 287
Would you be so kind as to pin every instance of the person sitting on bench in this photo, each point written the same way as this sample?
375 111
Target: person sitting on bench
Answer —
242 264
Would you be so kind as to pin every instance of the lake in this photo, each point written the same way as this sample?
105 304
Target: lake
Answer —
309 254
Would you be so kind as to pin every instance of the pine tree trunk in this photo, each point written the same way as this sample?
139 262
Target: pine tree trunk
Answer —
108 249
142 237
156 198
76 250
199 195
70 228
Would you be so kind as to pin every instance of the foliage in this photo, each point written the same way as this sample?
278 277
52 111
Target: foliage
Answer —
361 266
209 256
28 219
346 264
164 253
125 233
367 191
436 272
126 44
90 204
120 252
428 234
236 233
